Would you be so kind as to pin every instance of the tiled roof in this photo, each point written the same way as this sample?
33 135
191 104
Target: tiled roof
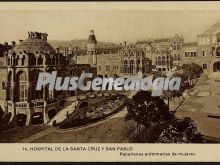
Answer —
190 44
34 44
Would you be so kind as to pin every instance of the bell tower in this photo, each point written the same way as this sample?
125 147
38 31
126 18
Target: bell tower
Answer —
91 47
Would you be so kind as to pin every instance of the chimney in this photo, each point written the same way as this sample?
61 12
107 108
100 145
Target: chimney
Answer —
44 36
13 43
5 43
20 41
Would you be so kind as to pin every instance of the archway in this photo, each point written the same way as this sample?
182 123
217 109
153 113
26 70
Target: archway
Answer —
37 118
216 67
21 119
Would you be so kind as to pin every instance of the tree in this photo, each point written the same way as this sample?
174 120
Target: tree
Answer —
192 71
150 113
151 120
168 95
181 131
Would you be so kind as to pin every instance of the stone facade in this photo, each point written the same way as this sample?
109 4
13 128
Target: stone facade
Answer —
24 62
117 60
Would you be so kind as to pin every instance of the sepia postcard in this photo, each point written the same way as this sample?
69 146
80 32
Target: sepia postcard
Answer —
110 81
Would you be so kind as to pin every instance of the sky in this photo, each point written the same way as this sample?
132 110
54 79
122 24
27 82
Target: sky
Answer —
109 25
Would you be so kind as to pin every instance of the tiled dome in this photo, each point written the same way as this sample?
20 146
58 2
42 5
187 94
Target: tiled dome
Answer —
35 42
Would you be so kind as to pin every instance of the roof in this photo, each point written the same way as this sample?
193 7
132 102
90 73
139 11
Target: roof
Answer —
108 50
33 44
190 44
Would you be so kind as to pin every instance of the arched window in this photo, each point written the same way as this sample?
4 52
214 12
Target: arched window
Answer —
163 61
132 66
16 60
9 89
126 67
35 94
33 61
138 65
22 86
9 61
40 60
159 60
53 61
23 60
175 57
178 58
48 61
171 61
204 53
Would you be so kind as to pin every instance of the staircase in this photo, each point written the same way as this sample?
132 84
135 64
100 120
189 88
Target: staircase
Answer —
62 114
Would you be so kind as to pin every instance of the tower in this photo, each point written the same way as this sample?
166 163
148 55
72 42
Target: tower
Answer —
91 47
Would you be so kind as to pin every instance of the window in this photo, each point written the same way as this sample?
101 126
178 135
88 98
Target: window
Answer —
175 58
159 60
132 66
34 61
54 61
23 60
204 66
194 54
22 87
218 37
99 67
9 62
16 61
163 61
126 66
203 53
186 54
178 58
138 65
40 60
107 68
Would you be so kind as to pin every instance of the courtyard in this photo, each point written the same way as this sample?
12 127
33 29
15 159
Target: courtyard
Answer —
203 106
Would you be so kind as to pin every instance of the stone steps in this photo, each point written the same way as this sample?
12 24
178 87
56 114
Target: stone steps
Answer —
62 114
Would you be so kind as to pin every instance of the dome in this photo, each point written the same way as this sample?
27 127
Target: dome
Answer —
92 38
35 42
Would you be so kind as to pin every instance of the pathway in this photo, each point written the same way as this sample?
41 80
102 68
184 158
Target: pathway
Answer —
204 100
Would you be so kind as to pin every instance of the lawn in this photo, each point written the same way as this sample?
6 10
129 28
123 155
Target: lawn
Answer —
110 131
